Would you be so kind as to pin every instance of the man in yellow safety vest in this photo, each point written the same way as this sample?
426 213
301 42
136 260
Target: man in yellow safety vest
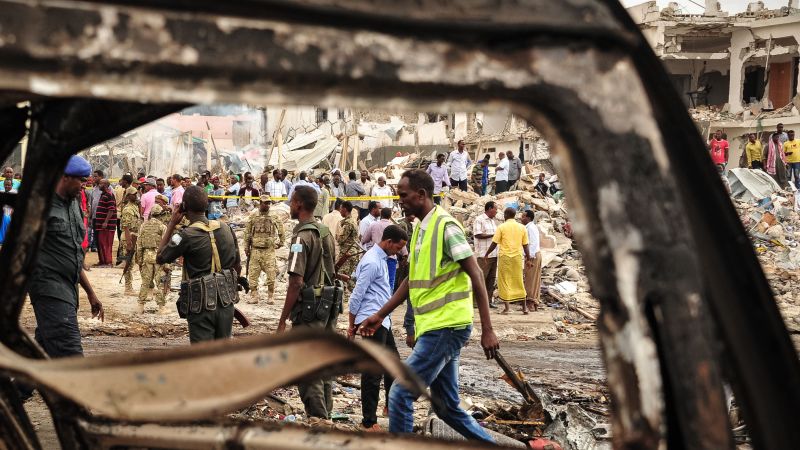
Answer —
443 276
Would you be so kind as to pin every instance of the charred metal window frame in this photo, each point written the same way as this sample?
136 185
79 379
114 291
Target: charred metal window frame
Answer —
683 298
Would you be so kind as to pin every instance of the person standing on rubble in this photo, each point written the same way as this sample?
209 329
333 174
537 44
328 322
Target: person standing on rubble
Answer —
232 202
332 220
512 240
438 171
356 189
514 169
263 234
248 193
719 151
105 224
302 181
501 174
337 185
348 243
533 266
215 199
211 264
150 235
94 198
374 209
776 161
177 191
384 191
480 176
53 283
119 197
791 148
149 197
374 235
275 187
310 266
366 181
483 229
459 162
324 203
782 135
373 289
755 152
443 277
130 221
541 185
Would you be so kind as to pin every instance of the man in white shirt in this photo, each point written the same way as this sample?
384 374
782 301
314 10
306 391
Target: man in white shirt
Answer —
458 161
275 187
501 174
533 267
383 190
483 230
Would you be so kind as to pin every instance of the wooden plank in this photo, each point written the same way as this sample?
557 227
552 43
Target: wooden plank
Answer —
275 137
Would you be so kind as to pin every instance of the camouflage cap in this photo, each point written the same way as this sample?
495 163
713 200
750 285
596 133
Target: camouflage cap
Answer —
131 191
162 197
265 198
156 210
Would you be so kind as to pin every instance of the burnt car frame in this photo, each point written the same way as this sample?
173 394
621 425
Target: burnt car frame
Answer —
685 306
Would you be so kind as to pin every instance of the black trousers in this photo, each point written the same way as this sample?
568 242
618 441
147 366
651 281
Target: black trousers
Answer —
57 326
210 325
500 187
459 184
371 384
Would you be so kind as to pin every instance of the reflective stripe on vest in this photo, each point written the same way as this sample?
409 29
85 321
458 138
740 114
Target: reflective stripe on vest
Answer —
436 304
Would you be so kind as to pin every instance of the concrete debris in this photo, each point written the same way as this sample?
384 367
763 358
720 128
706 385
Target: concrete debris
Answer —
774 226
749 185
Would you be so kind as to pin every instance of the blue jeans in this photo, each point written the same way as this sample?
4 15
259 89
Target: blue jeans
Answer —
435 361
794 172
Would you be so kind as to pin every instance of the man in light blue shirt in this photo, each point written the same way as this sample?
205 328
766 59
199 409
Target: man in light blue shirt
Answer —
372 291
303 182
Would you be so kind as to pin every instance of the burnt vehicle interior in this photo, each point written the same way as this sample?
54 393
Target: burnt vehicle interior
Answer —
685 305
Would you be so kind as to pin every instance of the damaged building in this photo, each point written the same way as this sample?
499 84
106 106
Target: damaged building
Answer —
738 72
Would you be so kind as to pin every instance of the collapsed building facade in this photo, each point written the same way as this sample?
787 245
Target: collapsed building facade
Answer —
679 274
738 72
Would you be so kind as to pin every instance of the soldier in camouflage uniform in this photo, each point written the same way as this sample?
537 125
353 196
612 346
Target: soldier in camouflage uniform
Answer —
349 248
130 219
165 276
262 235
150 235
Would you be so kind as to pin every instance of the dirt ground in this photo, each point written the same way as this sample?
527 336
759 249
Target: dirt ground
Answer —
551 347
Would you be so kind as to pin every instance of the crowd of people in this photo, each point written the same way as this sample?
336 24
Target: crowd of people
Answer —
776 153
355 246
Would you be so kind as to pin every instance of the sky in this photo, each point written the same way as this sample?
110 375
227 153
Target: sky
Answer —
731 6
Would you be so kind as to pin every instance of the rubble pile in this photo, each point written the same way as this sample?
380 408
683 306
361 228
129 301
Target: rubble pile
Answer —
773 224
703 113
564 278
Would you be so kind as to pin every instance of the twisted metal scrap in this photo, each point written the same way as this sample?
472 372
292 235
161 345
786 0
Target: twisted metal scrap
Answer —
204 380
663 247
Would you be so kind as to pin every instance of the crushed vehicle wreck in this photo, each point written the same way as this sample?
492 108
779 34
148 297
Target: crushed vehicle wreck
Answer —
665 251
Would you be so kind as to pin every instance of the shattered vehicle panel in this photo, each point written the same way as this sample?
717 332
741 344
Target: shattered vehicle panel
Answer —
680 287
